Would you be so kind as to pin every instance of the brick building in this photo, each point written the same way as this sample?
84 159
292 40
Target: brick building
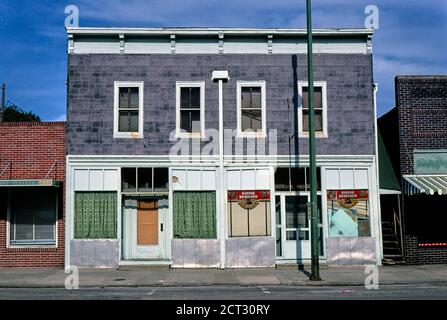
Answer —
418 125
32 184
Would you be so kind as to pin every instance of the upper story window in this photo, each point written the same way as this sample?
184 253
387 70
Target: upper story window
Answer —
320 103
128 110
251 106
190 106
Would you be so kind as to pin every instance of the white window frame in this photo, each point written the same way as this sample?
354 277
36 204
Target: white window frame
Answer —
263 132
190 84
323 85
128 84
10 228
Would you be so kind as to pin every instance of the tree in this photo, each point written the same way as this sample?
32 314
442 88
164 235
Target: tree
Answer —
15 114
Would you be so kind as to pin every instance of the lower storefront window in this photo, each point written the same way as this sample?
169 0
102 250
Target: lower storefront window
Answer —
194 215
33 217
95 215
249 213
348 213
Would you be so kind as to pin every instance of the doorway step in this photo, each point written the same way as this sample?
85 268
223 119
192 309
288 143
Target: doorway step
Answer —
136 265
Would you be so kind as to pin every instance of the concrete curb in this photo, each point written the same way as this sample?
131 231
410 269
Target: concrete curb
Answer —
203 284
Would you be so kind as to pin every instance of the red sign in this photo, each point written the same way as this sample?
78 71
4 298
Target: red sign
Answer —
347 194
248 195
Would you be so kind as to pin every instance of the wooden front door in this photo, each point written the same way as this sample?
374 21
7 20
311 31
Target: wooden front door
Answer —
147 223
144 235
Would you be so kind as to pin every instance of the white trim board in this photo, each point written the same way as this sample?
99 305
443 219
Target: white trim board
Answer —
215 41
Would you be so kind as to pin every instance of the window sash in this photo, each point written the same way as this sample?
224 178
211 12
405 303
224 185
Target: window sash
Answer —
251 98
318 120
128 120
250 223
189 117
33 222
190 97
318 98
129 100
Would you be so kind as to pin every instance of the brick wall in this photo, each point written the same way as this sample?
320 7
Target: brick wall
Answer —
422 109
32 149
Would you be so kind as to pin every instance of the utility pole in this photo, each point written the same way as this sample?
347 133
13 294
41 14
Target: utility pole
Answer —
2 110
315 256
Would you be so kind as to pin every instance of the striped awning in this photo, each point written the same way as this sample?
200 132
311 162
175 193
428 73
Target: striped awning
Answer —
428 184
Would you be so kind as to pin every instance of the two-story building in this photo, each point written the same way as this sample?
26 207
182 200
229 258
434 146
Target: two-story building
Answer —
189 147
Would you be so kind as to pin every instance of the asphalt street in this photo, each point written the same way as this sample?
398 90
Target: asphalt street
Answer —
385 292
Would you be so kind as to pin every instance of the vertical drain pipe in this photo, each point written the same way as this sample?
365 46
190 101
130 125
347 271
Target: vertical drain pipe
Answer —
220 76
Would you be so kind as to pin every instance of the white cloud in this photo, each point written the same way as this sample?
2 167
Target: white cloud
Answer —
62 117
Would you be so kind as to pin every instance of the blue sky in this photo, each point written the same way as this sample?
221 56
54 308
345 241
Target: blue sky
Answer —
412 38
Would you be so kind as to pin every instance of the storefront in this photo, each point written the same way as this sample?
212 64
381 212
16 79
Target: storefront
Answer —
140 214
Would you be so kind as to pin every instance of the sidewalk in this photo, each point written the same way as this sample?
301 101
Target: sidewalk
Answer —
333 276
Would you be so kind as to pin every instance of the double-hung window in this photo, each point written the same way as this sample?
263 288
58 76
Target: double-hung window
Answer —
128 110
190 106
33 215
251 109
320 105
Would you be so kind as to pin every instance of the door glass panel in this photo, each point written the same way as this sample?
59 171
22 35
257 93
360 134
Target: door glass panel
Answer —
278 209
291 235
303 235
278 242
296 212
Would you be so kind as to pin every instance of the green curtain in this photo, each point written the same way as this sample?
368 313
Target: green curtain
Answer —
95 215
195 215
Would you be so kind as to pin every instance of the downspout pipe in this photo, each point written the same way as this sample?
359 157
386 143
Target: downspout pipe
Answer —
220 77
376 134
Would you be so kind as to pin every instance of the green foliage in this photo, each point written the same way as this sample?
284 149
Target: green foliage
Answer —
15 114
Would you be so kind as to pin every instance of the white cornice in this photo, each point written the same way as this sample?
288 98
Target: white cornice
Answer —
217 31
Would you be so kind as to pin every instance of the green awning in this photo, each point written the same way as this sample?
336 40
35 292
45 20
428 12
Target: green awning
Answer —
30 183
387 177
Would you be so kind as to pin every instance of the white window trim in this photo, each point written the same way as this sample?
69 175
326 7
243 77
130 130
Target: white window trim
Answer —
263 132
323 85
179 134
9 229
128 135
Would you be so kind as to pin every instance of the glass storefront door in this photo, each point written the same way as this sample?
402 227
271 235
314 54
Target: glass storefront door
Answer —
293 226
